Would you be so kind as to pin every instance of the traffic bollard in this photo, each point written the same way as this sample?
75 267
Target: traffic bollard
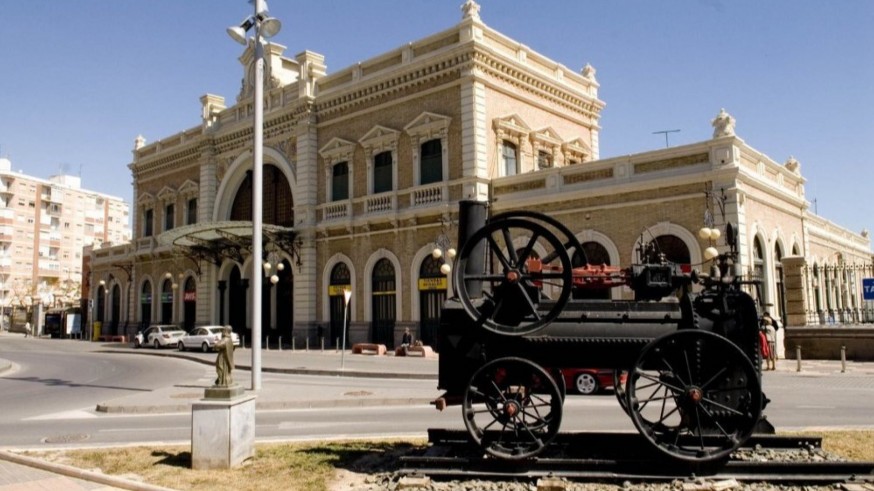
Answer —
322 340
280 343
798 358
843 359
307 343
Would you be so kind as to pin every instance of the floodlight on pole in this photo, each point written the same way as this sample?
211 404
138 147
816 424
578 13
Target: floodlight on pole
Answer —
265 27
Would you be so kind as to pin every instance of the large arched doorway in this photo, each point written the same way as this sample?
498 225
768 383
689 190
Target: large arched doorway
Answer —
383 304
341 280
167 302
237 288
115 315
101 305
189 303
278 204
778 284
675 250
285 301
432 295
146 305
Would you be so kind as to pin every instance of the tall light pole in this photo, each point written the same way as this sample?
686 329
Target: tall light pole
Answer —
265 27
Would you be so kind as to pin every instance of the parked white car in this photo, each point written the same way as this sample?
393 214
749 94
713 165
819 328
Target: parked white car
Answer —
159 336
204 338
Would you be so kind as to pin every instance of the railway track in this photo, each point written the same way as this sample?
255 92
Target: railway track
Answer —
619 457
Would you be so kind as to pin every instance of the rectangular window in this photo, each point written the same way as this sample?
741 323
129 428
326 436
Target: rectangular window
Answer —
431 162
169 217
148 222
508 154
544 160
340 181
192 211
382 172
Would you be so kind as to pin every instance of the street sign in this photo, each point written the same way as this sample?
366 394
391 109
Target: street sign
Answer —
868 288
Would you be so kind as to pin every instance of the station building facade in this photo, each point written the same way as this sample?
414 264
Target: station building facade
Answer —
363 172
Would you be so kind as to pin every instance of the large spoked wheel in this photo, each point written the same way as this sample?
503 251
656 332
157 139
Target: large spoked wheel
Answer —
694 395
497 288
512 408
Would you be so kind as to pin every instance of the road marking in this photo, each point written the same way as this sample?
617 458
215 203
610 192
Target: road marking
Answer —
817 407
121 430
75 414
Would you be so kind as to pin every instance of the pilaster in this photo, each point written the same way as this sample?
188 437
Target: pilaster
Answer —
793 282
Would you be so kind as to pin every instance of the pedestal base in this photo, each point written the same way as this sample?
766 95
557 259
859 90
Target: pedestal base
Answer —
222 432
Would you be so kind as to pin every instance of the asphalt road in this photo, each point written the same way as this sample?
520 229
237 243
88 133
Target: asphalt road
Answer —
49 401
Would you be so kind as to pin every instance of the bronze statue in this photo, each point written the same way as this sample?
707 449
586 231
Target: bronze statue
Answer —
224 362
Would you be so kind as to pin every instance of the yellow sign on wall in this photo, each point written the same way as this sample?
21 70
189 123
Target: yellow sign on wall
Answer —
337 290
432 283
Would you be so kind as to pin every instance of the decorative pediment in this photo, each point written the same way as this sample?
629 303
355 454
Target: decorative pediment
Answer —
428 125
146 199
512 124
546 136
189 188
380 138
337 150
577 145
167 194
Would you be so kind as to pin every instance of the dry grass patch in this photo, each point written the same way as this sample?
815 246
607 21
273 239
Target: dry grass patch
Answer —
298 466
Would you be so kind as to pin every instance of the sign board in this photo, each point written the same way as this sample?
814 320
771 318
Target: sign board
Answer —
337 290
189 296
433 283
868 288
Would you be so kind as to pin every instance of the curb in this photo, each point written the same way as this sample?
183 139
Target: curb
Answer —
77 473
268 405
5 366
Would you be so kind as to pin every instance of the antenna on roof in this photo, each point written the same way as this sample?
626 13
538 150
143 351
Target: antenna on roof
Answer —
666 135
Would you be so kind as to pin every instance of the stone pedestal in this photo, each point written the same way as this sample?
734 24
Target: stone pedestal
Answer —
222 431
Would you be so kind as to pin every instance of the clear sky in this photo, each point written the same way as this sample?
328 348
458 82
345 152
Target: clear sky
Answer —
79 80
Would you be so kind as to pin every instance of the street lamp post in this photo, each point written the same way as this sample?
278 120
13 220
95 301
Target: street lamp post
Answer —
267 27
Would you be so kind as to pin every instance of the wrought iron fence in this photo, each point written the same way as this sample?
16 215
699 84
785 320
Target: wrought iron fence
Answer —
835 296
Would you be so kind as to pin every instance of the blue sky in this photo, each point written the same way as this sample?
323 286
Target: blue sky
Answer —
79 80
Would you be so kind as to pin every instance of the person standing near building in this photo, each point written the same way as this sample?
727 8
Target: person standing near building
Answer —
769 326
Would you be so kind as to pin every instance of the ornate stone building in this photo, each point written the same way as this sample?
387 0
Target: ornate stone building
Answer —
363 172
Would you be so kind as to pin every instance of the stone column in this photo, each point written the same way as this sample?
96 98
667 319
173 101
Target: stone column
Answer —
796 297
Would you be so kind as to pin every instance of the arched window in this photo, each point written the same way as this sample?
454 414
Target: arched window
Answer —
778 282
341 280
675 251
167 302
431 162
383 302
146 305
189 301
509 158
278 203
432 295
758 271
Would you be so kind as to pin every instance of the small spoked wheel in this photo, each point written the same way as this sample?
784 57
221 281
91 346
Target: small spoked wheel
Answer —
512 408
694 395
500 289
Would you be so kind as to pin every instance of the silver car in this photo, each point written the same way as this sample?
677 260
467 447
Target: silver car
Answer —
204 338
159 336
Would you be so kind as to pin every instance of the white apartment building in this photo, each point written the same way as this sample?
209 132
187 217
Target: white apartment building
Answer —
44 226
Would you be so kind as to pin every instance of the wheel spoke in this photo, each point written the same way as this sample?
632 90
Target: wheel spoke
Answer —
714 377
661 382
526 251
716 422
529 301
723 407
508 242
497 252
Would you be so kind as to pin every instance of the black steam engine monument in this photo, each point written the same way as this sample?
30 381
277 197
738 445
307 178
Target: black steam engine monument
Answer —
685 351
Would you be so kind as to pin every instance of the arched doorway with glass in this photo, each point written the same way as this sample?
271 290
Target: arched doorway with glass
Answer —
383 303
237 301
146 305
340 281
779 287
189 303
115 310
282 284
167 301
432 294
757 274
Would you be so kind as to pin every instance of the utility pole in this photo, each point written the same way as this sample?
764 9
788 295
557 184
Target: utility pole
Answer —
666 135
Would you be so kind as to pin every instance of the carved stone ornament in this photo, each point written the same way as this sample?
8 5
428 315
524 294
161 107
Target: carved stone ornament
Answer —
723 124
793 165
588 71
470 10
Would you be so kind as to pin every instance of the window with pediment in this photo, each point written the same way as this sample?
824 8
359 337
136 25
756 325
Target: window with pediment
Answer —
429 140
512 134
380 146
575 151
337 156
546 146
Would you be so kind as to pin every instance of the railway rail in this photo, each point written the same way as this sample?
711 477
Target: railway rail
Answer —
619 457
